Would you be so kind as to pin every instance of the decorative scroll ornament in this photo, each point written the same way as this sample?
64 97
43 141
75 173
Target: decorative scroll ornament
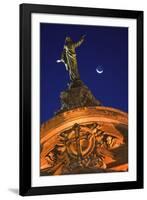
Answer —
83 148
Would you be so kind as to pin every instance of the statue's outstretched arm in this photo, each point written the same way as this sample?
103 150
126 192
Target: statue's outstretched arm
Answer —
77 44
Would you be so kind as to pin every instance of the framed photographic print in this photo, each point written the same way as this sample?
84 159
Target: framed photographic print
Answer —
81 99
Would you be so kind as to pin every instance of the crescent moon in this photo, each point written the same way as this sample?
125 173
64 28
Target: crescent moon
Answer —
98 71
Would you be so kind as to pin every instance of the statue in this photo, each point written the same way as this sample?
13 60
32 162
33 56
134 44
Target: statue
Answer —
68 57
77 94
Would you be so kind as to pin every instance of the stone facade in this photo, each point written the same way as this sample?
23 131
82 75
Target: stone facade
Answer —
85 140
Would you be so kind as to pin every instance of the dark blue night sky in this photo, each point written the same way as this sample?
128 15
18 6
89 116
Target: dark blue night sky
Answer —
104 46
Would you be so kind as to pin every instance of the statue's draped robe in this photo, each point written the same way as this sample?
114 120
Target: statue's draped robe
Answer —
70 60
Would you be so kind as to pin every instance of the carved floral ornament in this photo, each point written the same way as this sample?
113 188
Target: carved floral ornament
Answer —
84 147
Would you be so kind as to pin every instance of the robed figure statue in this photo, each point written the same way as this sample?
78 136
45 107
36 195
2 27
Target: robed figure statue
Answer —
68 57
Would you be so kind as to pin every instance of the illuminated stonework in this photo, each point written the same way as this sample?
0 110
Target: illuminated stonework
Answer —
85 140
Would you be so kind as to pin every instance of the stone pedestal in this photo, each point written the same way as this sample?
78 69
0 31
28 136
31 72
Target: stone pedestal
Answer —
77 95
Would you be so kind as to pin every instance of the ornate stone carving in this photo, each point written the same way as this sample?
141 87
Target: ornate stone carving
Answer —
83 147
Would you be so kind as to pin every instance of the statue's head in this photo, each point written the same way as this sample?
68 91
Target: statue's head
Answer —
68 40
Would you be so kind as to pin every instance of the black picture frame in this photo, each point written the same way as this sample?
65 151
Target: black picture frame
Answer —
25 187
